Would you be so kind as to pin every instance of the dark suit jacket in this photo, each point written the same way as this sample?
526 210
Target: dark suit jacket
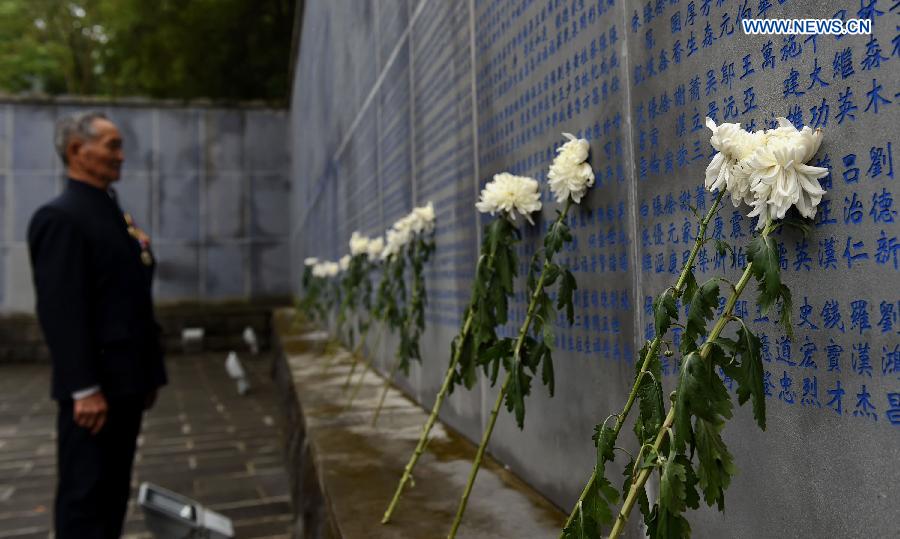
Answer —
94 298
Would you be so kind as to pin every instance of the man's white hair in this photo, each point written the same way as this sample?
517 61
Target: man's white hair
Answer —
76 126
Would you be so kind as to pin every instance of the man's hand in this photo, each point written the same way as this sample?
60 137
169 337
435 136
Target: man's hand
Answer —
90 412
150 399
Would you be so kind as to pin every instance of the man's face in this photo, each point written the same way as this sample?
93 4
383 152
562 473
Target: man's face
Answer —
99 158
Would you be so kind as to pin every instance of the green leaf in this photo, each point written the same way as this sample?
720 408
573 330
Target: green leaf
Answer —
762 253
650 397
672 489
547 369
604 439
667 525
650 459
673 496
723 247
558 234
519 387
690 288
700 393
703 308
716 465
749 373
594 511
551 273
691 497
566 288
651 409
802 224
606 495
531 353
664 311
787 309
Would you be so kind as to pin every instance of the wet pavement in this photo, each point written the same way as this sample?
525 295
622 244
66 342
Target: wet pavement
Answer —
202 440
358 465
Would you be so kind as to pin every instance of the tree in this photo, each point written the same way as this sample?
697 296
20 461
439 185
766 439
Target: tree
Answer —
220 49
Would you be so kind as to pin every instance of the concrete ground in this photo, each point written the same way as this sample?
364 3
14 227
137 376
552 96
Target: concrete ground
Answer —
201 439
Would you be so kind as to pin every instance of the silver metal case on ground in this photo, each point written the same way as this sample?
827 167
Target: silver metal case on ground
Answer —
172 516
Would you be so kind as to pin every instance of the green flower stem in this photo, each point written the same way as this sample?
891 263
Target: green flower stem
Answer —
653 350
368 368
429 424
355 356
517 350
358 385
705 348
473 473
384 390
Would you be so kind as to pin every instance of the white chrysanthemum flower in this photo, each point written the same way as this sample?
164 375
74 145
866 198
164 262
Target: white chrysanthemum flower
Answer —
359 244
397 237
728 169
781 178
320 270
510 194
344 263
334 268
376 246
570 174
423 219
310 261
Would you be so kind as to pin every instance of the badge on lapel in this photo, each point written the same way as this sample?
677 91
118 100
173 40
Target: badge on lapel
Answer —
141 237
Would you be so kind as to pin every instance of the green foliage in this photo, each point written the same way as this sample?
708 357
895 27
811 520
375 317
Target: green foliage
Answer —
677 492
419 251
716 464
703 307
493 284
595 509
664 311
564 300
221 49
536 334
558 235
690 287
650 397
748 373
352 288
701 403
701 393
766 268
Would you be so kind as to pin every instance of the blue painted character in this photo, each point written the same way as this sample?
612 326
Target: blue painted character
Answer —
810 392
860 360
859 315
808 349
864 407
875 97
888 316
837 397
893 411
827 255
887 248
787 394
833 351
856 253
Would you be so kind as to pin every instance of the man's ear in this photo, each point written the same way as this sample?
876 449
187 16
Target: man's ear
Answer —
73 148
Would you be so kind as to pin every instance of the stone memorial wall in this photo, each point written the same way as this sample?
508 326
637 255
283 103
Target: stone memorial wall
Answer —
397 103
210 185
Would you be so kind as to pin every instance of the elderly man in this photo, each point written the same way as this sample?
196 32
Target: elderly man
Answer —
92 274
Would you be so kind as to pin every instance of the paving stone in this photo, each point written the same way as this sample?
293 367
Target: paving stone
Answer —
202 440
